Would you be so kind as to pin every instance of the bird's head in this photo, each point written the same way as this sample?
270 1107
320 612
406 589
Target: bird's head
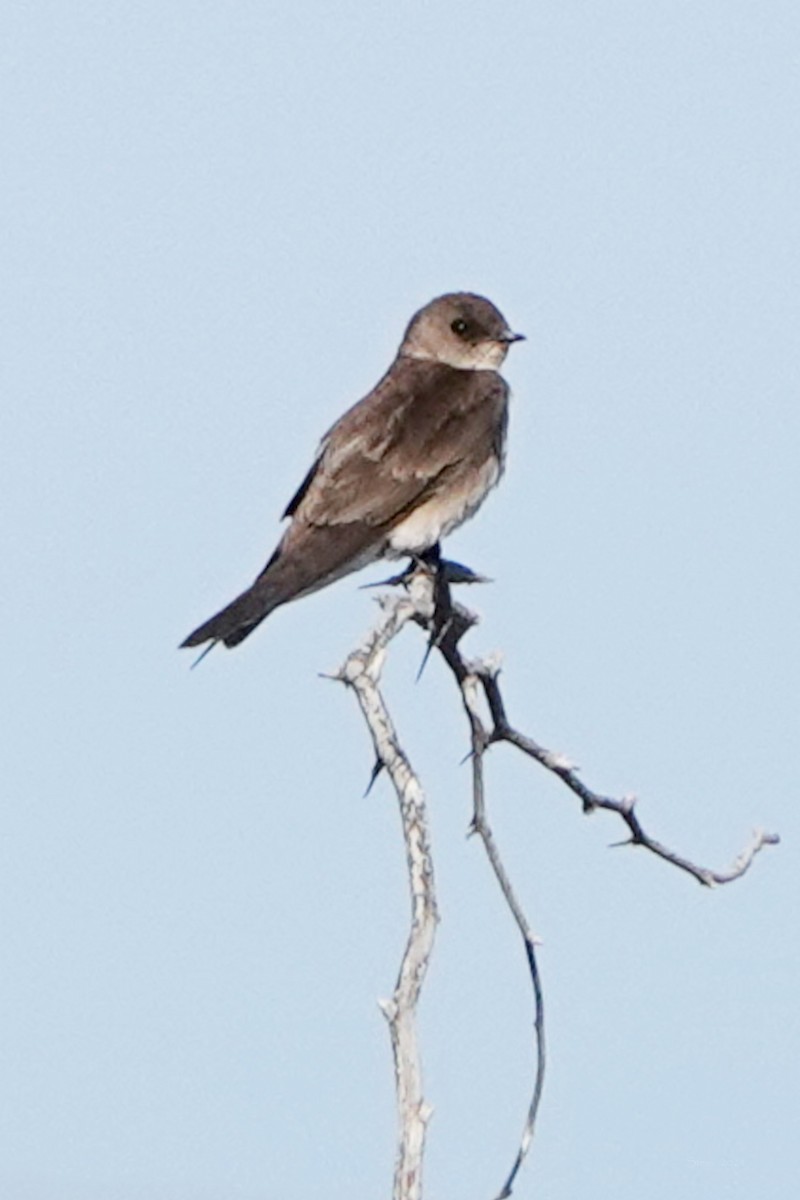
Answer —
461 329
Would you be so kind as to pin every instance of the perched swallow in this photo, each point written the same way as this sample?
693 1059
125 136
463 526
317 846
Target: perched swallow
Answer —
399 470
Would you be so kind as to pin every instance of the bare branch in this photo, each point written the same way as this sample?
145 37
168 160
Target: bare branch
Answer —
468 675
480 826
625 807
361 672
447 623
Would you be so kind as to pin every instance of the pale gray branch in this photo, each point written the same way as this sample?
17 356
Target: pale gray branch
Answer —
361 672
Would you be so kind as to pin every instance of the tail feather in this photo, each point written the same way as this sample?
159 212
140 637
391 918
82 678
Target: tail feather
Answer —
308 558
238 619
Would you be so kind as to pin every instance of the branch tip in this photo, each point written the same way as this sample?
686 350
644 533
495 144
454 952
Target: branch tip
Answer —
332 677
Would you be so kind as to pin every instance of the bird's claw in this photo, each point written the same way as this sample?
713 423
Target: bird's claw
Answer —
451 573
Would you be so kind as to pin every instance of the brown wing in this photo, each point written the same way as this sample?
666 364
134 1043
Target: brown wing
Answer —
423 425
293 504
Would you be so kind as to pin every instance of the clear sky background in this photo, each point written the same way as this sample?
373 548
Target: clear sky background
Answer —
216 219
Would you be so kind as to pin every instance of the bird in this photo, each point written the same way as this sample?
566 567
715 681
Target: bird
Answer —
399 470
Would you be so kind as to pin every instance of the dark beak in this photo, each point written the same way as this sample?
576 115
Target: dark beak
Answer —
508 337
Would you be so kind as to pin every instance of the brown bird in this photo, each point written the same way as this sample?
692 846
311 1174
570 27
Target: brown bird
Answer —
399 470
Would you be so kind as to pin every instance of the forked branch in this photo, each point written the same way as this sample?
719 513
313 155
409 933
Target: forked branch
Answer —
477 681
487 673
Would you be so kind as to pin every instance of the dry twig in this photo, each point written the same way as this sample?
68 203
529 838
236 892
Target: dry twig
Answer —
361 671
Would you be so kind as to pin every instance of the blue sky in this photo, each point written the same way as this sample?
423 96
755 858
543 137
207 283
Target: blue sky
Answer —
215 221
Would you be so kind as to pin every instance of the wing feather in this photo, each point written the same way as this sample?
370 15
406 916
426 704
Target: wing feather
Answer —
425 425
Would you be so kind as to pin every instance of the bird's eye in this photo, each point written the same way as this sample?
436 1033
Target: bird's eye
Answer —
459 326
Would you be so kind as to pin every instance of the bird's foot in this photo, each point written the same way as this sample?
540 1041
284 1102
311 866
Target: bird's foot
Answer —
443 573
451 572
455 572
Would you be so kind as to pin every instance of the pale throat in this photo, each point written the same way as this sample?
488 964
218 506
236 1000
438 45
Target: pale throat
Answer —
487 356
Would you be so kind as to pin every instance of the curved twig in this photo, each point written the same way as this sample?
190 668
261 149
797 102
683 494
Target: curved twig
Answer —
480 826
485 672
624 807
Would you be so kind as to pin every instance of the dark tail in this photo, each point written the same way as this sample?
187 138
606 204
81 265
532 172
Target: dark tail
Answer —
239 618
308 557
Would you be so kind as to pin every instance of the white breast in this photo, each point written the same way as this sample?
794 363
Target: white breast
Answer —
437 517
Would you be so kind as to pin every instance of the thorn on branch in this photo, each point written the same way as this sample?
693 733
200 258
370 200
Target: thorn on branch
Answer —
374 773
